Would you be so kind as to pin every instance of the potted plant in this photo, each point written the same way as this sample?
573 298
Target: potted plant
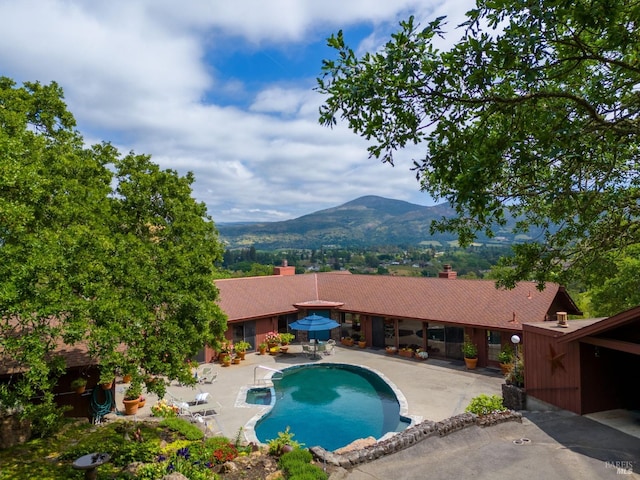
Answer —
391 350
348 341
505 357
241 348
406 352
263 348
286 338
131 398
225 359
421 354
107 375
79 385
470 353
362 343
272 339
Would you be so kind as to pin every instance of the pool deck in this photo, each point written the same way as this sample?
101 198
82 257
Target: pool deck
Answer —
558 444
433 389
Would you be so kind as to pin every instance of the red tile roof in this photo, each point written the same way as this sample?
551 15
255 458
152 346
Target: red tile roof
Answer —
459 301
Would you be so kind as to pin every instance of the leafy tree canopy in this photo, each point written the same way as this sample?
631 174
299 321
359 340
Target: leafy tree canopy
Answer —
533 112
98 248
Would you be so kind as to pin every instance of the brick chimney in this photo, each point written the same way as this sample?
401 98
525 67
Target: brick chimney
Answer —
285 269
447 272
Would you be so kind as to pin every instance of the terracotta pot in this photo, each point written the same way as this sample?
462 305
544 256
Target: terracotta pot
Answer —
126 379
362 344
241 355
263 350
391 351
141 402
107 386
505 367
470 363
236 361
81 390
131 406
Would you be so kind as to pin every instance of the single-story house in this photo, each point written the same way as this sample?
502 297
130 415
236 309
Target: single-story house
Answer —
434 314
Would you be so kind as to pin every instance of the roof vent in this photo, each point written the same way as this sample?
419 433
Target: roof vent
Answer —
562 319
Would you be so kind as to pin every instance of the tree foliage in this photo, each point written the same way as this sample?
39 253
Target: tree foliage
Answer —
533 112
97 248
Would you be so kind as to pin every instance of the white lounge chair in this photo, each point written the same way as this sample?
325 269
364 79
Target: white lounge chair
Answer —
206 374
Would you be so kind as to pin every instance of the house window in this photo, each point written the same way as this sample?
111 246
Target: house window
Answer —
494 345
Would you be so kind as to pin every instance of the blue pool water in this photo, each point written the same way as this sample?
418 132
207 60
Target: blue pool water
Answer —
331 405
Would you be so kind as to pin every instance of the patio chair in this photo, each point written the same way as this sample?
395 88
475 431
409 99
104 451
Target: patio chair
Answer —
206 374
307 350
201 398
329 347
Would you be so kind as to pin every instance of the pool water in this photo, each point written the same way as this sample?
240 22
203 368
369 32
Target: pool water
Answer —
259 396
331 405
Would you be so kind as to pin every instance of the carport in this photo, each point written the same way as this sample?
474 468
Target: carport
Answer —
586 366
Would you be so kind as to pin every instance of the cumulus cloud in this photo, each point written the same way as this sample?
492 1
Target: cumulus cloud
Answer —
146 75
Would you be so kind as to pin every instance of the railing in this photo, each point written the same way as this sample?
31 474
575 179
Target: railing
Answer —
255 371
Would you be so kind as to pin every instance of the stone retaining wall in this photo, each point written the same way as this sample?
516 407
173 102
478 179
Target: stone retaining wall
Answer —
13 431
410 436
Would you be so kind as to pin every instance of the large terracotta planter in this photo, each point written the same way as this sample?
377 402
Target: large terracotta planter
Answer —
131 406
470 363
362 344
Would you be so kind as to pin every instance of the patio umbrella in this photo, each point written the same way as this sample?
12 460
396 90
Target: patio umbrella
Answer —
314 323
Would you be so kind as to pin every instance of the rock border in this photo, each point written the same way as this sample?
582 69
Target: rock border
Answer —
412 435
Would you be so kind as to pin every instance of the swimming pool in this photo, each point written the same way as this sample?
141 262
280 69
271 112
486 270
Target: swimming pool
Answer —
331 405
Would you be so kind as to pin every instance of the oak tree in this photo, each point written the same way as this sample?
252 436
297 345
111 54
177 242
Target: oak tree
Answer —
532 113
96 248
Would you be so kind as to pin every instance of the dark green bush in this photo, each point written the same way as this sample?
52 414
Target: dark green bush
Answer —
183 427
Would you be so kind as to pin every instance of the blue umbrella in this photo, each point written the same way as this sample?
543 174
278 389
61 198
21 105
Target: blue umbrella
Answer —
314 323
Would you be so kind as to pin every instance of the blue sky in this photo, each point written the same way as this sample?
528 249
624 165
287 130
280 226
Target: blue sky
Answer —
222 89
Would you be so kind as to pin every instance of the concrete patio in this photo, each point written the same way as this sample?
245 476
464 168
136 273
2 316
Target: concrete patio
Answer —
555 445
433 389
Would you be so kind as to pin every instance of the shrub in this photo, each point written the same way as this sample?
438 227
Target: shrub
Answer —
305 471
188 430
485 404
297 455
297 466
284 438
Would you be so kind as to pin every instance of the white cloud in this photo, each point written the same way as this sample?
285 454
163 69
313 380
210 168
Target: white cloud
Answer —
137 74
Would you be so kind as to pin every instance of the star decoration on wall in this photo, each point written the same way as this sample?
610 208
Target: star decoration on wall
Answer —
555 359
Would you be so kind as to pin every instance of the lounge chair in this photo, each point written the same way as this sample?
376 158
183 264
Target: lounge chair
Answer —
206 374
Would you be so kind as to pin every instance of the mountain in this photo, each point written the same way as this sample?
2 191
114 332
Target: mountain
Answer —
365 221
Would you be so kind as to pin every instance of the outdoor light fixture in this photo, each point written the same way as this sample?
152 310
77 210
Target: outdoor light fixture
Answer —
515 339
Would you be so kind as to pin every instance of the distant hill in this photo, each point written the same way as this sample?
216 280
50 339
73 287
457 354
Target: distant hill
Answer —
365 221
